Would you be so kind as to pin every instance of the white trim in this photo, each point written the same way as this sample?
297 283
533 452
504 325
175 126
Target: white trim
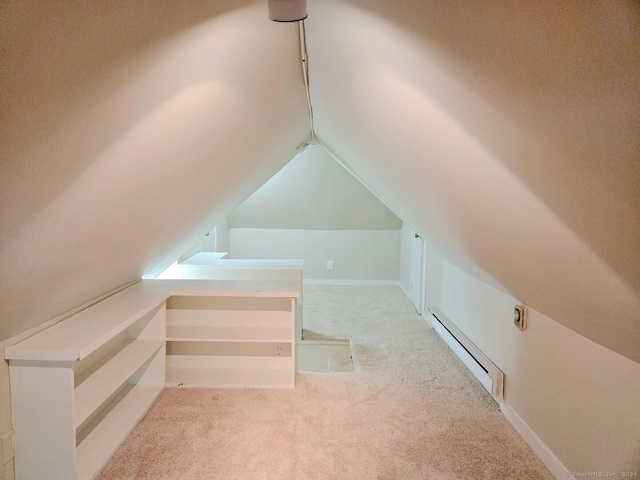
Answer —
555 466
430 320
339 281
404 290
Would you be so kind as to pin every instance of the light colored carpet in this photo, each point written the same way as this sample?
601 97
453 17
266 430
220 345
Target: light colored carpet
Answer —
410 410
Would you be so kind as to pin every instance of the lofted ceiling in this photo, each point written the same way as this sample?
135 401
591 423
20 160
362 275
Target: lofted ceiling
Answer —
128 130
506 134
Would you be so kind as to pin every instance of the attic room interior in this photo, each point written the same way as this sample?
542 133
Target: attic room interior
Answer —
394 178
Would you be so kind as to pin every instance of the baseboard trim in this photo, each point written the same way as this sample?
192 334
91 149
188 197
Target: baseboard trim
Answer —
555 466
339 281
404 290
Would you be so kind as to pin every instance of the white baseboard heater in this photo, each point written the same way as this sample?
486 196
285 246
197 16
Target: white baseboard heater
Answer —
490 376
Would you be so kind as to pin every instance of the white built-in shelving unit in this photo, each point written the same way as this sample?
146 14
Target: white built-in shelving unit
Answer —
231 341
211 266
81 385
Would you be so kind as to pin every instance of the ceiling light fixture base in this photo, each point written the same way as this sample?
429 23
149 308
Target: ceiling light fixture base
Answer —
287 10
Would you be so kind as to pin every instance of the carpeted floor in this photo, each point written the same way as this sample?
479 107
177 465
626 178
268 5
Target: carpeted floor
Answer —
410 410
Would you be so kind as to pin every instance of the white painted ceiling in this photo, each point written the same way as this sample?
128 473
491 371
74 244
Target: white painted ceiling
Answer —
505 133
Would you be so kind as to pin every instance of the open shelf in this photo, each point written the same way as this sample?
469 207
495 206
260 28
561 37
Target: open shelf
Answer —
228 341
80 386
101 437
229 334
106 376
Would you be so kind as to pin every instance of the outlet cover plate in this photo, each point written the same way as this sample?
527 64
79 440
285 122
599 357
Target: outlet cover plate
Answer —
520 317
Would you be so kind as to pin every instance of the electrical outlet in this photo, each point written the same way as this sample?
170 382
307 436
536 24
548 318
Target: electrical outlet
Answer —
520 317
329 264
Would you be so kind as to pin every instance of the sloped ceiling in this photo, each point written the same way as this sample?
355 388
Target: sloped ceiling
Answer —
314 192
129 129
505 133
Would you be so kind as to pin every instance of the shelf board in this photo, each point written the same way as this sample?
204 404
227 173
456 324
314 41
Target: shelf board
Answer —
230 288
229 334
218 260
98 383
230 377
101 438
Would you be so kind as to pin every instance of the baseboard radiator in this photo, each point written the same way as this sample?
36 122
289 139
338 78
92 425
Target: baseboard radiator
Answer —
490 376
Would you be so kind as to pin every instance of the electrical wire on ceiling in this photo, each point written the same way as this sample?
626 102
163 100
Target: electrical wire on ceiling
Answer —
288 11
305 74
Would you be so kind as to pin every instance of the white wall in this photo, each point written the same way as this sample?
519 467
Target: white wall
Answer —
314 192
356 254
223 238
192 250
406 234
580 399
208 242
216 240
315 210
